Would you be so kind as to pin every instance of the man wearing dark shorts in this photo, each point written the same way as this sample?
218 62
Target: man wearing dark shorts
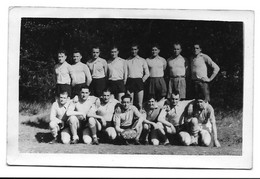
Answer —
98 70
156 83
138 73
117 74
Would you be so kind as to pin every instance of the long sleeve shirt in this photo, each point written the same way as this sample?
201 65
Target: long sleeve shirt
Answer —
137 68
80 73
58 112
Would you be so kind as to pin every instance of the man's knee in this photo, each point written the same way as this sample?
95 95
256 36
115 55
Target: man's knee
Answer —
146 127
111 133
73 120
194 121
53 125
185 138
205 138
92 122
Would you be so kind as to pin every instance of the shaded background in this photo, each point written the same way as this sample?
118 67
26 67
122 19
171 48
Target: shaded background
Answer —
41 38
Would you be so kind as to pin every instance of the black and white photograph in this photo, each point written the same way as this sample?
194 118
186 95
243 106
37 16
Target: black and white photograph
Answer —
130 88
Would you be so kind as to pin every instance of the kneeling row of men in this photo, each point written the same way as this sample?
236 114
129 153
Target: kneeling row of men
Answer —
90 120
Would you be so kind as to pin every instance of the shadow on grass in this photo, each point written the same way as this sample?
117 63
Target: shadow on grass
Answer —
43 137
41 122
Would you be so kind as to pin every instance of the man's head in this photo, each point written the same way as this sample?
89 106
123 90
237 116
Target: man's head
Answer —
175 98
200 100
155 50
134 50
167 105
106 95
151 102
84 93
177 49
63 97
62 56
95 52
77 56
114 52
126 101
197 48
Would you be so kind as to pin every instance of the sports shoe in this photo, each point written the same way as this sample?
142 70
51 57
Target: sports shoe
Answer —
54 141
75 141
137 142
95 141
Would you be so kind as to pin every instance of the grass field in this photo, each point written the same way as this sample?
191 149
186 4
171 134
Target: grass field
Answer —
34 136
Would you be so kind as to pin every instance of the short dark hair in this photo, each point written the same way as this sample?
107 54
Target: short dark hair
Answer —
156 45
95 47
176 43
62 51
134 45
64 92
126 96
151 96
84 87
76 51
107 90
176 92
114 47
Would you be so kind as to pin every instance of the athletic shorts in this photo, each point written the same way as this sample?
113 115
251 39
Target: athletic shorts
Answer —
63 87
97 86
116 86
201 87
134 85
177 84
157 86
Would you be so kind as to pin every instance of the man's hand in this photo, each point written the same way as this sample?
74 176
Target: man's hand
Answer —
205 79
103 121
61 124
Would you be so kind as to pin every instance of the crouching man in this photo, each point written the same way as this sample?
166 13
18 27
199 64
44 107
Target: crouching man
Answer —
201 124
58 115
128 118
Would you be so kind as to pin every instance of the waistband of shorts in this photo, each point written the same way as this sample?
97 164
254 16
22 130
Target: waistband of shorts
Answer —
182 76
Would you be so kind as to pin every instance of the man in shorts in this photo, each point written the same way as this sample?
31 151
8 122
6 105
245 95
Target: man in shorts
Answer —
82 118
117 74
199 75
63 73
138 73
201 124
156 82
80 74
128 118
98 70
58 115
176 70
172 116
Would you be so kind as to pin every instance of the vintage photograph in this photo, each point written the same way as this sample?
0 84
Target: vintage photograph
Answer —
156 84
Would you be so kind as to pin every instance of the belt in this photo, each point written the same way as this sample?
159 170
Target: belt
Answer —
183 76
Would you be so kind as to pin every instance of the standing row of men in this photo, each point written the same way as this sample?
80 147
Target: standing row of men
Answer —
131 75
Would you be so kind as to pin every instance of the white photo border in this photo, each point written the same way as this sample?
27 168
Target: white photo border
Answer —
103 160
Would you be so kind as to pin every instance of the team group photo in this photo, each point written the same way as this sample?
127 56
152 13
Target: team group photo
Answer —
153 85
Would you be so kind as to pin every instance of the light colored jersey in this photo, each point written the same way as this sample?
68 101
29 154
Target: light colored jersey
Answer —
98 68
117 69
80 73
156 66
126 118
58 112
63 72
137 68
107 110
176 66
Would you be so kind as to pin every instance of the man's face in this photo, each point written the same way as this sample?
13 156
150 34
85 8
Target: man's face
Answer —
175 99
61 57
114 53
152 103
95 53
177 49
134 51
197 49
155 51
84 94
126 103
63 98
77 57
106 96
201 104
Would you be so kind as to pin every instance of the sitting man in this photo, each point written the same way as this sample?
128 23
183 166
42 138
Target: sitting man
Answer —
172 116
150 124
82 118
58 116
106 111
128 118
201 123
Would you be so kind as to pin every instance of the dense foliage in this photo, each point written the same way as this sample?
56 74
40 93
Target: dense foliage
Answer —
41 38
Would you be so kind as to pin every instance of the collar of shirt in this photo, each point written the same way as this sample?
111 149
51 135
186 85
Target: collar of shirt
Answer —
132 58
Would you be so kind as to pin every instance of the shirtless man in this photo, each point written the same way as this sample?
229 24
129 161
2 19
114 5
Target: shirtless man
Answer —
156 83
82 117
176 69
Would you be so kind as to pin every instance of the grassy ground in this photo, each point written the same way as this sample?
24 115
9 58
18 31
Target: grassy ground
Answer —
34 136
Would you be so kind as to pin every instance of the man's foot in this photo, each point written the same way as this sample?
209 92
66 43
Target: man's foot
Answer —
166 143
95 141
75 141
137 142
145 142
125 142
54 141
